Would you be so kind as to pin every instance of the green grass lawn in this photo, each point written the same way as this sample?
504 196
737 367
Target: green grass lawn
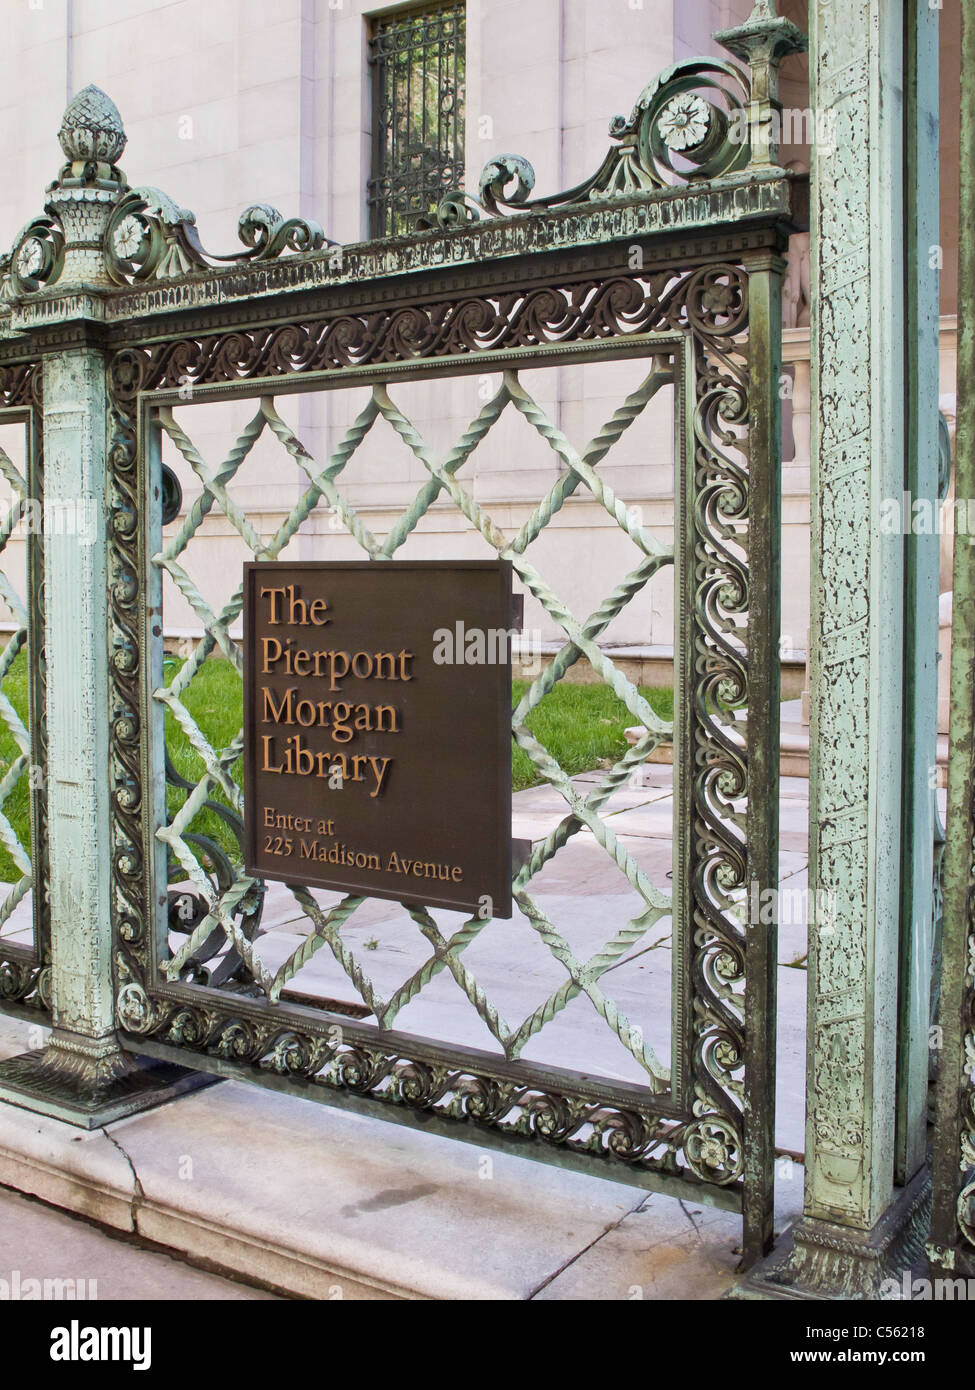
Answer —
17 808
581 725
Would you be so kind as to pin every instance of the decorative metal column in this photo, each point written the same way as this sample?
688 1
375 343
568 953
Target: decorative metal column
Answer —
920 822
82 1076
952 1244
857 1228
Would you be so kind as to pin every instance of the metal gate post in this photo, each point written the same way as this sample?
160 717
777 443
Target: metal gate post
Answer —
922 560
763 41
765 623
857 1229
82 1076
952 1245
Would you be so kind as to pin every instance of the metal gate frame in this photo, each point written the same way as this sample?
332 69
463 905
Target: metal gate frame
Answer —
692 194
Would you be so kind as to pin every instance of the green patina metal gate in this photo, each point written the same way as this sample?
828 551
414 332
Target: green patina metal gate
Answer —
671 255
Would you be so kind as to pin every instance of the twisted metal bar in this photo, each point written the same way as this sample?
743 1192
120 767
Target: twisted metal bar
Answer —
8 713
461 939
618 776
327 933
584 978
596 450
599 488
223 474
610 955
448 955
220 915
18 891
322 482
622 687
10 597
560 780
455 459
594 627
216 764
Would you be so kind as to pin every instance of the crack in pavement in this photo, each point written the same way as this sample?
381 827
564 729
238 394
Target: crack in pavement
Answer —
586 1248
138 1194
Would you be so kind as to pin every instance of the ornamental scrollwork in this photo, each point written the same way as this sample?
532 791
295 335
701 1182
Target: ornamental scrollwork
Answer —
966 1197
21 384
36 259
711 302
267 234
117 235
700 119
150 238
709 307
25 983
711 1147
674 133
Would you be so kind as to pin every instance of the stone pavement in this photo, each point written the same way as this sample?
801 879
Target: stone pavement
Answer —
48 1254
321 1203
318 1202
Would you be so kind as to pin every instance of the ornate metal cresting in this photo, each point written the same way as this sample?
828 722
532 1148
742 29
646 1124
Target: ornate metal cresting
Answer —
98 232
162 321
673 131
698 120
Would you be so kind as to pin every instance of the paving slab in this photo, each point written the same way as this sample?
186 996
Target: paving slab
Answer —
667 1250
353 1202
49 1254
81 1170
324 1203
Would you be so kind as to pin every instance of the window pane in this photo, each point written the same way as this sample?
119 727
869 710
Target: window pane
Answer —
418 114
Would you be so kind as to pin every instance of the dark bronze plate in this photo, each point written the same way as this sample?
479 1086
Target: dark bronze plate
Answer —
377 729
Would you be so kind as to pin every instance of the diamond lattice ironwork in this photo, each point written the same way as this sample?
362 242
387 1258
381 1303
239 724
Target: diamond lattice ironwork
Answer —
21 763
583 977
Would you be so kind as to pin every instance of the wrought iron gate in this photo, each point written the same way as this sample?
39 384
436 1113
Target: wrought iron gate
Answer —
670 255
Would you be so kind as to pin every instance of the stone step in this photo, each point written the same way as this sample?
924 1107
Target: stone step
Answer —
793 751
324 1203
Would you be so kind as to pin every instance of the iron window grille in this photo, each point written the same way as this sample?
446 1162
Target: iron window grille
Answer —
418 72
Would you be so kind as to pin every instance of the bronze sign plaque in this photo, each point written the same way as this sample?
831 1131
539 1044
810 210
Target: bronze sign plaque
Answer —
377 729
